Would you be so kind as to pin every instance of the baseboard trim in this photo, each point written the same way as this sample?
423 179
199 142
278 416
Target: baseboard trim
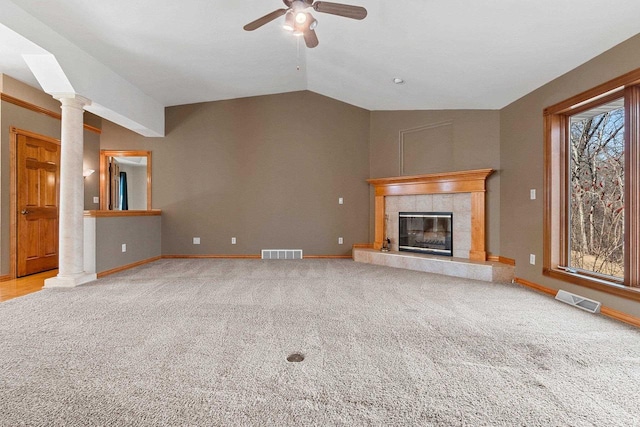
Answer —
5 278
619 315
607 311
327 256
362 246
508 261
501 259
535 286
212 256
251 256
127 267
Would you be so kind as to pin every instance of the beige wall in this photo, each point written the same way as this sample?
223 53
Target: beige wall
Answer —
24 92
136 186
521 159
461 139
267 170
91 160
141 234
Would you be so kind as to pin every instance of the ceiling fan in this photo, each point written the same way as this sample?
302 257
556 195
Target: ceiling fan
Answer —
301 22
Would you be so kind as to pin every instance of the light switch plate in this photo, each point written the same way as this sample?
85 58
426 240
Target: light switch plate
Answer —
532 194
196 240
340 240
340 201
233 240
96 199
124 247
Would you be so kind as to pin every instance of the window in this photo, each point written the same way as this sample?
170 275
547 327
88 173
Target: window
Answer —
596 190
592 188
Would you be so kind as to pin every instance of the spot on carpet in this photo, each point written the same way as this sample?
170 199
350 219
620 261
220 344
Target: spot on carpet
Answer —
295 357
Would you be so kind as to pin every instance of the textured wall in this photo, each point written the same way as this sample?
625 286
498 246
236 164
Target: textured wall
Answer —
141 234
91 160
522 165
462 139
267 170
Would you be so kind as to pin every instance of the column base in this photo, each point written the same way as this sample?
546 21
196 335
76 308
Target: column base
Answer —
69 281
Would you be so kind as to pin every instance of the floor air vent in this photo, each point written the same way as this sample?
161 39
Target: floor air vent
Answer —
282 254
577 301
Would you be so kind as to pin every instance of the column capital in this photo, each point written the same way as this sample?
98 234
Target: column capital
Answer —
72 100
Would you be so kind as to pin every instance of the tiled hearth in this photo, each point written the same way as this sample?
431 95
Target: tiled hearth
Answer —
450 266
462 193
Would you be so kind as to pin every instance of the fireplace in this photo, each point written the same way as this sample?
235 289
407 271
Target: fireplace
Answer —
426 232
423 191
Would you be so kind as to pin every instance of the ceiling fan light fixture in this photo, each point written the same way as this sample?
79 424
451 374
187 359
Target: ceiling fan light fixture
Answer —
302 23
289 21
301 17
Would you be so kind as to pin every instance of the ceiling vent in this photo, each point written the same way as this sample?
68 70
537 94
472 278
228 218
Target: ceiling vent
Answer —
577 301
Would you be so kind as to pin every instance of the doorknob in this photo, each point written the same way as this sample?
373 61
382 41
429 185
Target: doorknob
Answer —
24 212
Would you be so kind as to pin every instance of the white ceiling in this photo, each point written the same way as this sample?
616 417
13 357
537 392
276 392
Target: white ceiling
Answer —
12 47
452 54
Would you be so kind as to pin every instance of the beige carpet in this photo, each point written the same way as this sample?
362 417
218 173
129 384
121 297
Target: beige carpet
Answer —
204 342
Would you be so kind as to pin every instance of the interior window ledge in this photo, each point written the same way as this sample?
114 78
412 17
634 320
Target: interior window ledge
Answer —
632 293
103 213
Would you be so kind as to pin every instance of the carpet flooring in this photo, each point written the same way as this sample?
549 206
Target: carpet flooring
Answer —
205 342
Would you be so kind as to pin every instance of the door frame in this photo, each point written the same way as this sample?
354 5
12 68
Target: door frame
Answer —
13 192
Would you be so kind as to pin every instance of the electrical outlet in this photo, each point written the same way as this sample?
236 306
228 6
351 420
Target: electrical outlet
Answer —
96 199
340 201
532 259
196 240
532 194
233 240
124 247
340 241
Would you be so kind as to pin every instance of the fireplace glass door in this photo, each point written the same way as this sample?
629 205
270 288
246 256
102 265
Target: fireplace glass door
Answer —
426 232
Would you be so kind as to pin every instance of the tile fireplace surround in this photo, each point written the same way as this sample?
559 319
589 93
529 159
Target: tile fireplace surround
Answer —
462 193
458 204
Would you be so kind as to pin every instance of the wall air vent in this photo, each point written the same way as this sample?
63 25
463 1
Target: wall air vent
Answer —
282 254
577 301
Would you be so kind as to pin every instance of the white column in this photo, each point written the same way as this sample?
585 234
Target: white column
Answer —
71 228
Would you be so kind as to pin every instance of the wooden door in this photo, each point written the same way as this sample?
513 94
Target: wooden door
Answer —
38 174
114 184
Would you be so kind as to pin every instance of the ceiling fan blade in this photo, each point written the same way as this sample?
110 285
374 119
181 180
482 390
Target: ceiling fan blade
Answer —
310 38
264 20
348 11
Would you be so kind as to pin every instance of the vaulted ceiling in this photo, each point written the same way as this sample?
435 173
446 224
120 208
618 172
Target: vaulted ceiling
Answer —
452 54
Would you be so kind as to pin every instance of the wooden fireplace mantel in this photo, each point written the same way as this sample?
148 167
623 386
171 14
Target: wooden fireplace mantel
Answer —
473 181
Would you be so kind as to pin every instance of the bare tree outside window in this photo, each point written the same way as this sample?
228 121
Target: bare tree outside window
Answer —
596 169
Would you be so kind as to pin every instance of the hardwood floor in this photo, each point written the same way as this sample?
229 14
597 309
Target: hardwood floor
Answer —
25 285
